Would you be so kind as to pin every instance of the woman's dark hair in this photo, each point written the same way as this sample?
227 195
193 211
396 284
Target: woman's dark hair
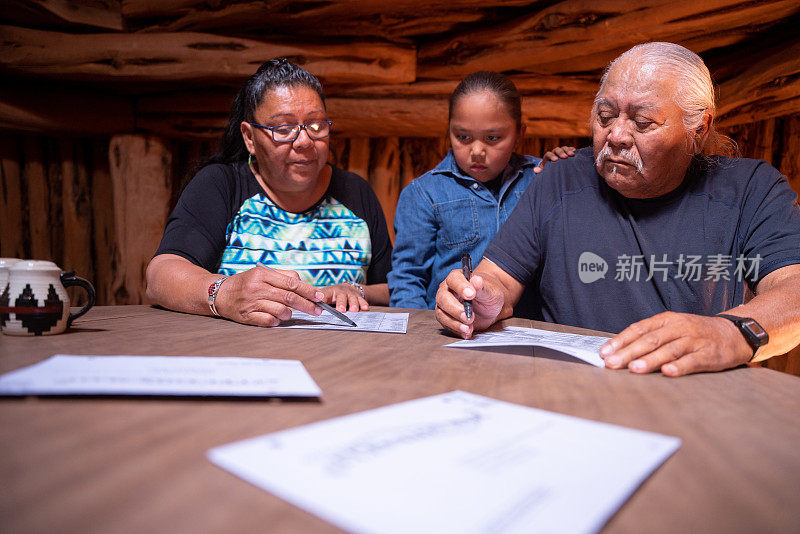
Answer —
272 74
487 80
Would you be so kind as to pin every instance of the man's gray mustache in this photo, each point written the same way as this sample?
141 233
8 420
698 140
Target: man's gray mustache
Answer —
628 155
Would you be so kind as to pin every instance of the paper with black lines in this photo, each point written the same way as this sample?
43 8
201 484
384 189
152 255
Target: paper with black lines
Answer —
390 323
580 346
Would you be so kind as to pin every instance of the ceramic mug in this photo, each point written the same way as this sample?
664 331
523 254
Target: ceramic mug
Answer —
5 265
35 300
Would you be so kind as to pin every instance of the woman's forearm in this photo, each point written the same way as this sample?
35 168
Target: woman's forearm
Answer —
176 283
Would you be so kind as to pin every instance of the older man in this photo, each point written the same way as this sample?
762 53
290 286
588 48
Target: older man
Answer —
648 234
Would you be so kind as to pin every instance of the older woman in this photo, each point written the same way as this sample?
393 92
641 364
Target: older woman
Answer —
269 198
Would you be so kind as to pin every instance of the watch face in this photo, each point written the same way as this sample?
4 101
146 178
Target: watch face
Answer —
755 328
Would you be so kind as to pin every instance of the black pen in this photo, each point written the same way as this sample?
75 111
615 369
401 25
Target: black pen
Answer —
466 268
328 308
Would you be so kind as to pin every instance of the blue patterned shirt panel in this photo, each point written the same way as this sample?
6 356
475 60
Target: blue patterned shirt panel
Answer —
325 245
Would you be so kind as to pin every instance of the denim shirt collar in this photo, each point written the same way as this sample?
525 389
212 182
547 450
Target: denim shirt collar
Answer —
516 166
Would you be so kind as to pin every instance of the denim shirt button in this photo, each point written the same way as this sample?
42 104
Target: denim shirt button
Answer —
476 185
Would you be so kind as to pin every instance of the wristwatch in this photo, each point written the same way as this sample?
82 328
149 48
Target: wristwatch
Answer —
213 289
753 333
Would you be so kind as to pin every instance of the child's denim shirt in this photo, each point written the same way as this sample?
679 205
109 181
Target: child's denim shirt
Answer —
440 216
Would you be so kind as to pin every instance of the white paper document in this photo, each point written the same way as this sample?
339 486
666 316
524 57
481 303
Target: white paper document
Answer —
455 462
582 347
161 375
390 323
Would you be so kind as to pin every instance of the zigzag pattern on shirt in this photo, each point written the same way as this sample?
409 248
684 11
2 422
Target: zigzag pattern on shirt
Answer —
261 207
319 229
257 242
326 245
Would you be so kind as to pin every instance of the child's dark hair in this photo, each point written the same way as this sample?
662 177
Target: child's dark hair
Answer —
272 74
487 80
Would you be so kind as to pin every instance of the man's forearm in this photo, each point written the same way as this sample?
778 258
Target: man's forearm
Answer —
776 307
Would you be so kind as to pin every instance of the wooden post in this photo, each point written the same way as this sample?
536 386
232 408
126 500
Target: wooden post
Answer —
765 141
419 155
385 177
12 225
533 146
106 252
38 200
337 151
790 159
77 209
407 172
141 176
358 156
755 140
56 216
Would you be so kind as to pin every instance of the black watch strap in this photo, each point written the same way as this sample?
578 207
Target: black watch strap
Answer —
753 333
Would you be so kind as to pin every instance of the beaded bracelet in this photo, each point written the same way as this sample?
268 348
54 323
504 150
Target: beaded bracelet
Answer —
360 288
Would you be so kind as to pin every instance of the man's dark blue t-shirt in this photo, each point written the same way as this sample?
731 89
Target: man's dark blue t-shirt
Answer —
604 261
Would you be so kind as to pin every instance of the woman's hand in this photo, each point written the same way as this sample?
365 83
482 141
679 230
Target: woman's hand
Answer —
345 297
265 297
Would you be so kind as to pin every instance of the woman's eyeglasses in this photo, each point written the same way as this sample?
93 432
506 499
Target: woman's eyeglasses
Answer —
287 133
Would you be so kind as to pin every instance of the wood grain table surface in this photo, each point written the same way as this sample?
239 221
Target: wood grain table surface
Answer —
130 465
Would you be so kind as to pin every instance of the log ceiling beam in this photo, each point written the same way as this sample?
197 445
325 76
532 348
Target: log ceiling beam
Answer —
552 105
768 87
29 108
397 19
188 56
204 115
526 84
584 35
104 14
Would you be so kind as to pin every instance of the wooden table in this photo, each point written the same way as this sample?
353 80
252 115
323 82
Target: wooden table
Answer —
138 465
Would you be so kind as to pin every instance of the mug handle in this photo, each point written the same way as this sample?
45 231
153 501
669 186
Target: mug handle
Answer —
68 279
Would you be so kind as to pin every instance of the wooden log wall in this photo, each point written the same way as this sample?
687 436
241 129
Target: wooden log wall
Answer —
167 67
83 204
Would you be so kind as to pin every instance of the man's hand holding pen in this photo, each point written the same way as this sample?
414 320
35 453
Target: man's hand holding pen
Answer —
484 296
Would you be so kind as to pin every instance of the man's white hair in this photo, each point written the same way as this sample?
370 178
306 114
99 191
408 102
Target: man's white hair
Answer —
695 90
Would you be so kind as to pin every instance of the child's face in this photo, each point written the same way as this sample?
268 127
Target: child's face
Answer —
483 135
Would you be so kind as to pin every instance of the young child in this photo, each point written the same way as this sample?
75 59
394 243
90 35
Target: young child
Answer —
460 205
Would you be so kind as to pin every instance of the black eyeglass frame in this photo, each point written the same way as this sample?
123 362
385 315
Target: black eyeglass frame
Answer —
301 127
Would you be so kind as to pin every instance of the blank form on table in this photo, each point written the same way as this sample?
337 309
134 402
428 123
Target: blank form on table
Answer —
455 462
64 374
